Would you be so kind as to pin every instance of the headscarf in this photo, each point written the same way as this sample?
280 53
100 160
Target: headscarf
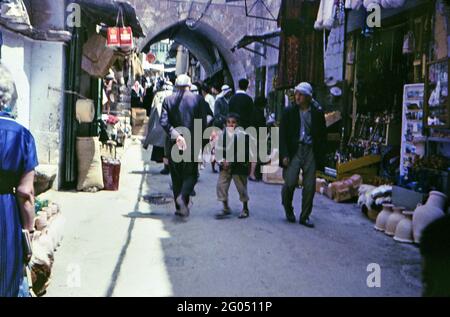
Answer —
8 91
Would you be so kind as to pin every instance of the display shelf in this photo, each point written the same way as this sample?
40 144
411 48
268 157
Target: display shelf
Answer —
413 139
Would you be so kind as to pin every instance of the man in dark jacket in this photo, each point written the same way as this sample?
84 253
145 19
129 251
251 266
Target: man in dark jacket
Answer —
242 104
302 146
180 111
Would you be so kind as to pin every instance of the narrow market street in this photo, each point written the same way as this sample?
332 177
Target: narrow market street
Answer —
116 244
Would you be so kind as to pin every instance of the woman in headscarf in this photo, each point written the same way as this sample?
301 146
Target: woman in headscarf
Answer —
156 136
18 160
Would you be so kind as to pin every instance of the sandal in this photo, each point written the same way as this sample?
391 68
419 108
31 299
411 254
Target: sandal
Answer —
253 179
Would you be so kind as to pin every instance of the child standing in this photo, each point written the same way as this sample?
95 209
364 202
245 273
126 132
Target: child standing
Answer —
230 150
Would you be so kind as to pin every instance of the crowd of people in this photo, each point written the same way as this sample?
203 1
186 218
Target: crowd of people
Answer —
302 141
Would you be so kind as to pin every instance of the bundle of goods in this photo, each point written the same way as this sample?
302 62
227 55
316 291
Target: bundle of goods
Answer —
46 239
138 119
340 191
371 199
90 177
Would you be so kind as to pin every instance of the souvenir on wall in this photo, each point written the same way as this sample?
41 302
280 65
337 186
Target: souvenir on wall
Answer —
413 140
437 102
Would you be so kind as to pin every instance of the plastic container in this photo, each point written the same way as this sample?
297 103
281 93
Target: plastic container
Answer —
111 174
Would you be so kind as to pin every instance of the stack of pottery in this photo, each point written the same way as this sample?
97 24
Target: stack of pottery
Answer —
428 213
404 230
383 216
393 220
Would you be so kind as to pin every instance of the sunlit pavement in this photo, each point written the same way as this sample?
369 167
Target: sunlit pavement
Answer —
116 244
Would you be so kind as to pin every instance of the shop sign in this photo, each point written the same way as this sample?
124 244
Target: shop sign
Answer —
151 58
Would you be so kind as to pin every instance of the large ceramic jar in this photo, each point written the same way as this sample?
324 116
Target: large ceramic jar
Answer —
404 231
393 220
426 214
383 216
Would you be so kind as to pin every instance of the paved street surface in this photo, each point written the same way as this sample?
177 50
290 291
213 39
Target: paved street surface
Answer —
116 244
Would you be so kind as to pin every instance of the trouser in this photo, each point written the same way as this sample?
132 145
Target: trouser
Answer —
184 178
223 186
303 159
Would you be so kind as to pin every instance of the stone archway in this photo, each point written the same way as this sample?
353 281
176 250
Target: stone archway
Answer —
222 26
202 42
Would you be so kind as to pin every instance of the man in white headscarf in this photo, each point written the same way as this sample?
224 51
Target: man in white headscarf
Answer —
180 111
303 139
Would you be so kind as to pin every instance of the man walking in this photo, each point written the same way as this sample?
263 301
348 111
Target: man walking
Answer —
180 111
302 146
242 104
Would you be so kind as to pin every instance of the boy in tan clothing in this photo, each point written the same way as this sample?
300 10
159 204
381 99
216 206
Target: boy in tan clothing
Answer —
232 169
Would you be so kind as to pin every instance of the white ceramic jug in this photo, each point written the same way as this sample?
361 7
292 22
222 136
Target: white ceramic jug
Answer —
426 214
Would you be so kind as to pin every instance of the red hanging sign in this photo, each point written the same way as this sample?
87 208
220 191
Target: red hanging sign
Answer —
126 37
151 58
113 39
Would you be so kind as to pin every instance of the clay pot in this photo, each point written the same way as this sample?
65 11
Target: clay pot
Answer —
40 222
393 220
404 231
426 214
383 216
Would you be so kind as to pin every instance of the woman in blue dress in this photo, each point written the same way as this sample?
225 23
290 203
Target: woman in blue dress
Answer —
18 160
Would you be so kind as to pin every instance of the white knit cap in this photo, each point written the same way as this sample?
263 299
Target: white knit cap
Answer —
225 88
194 88
305 89
183 80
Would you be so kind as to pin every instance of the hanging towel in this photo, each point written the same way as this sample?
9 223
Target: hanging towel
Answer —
326 14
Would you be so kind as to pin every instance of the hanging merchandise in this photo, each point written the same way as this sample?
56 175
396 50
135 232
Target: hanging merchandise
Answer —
126 37
409 43
325 15
120 36
113 37
435 97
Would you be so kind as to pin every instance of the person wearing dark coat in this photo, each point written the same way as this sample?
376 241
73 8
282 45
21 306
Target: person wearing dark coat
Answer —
303 140
258 121
242 104
148 99
180 111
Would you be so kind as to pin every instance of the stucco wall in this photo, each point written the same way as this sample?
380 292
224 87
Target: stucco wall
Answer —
36 66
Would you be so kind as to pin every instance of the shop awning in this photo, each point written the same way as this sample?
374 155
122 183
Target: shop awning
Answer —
106 11
263 39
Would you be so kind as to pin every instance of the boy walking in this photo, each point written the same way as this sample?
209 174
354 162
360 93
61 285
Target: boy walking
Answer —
232 154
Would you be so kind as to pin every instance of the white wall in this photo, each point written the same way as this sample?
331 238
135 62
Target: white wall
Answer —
47 72
36 66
